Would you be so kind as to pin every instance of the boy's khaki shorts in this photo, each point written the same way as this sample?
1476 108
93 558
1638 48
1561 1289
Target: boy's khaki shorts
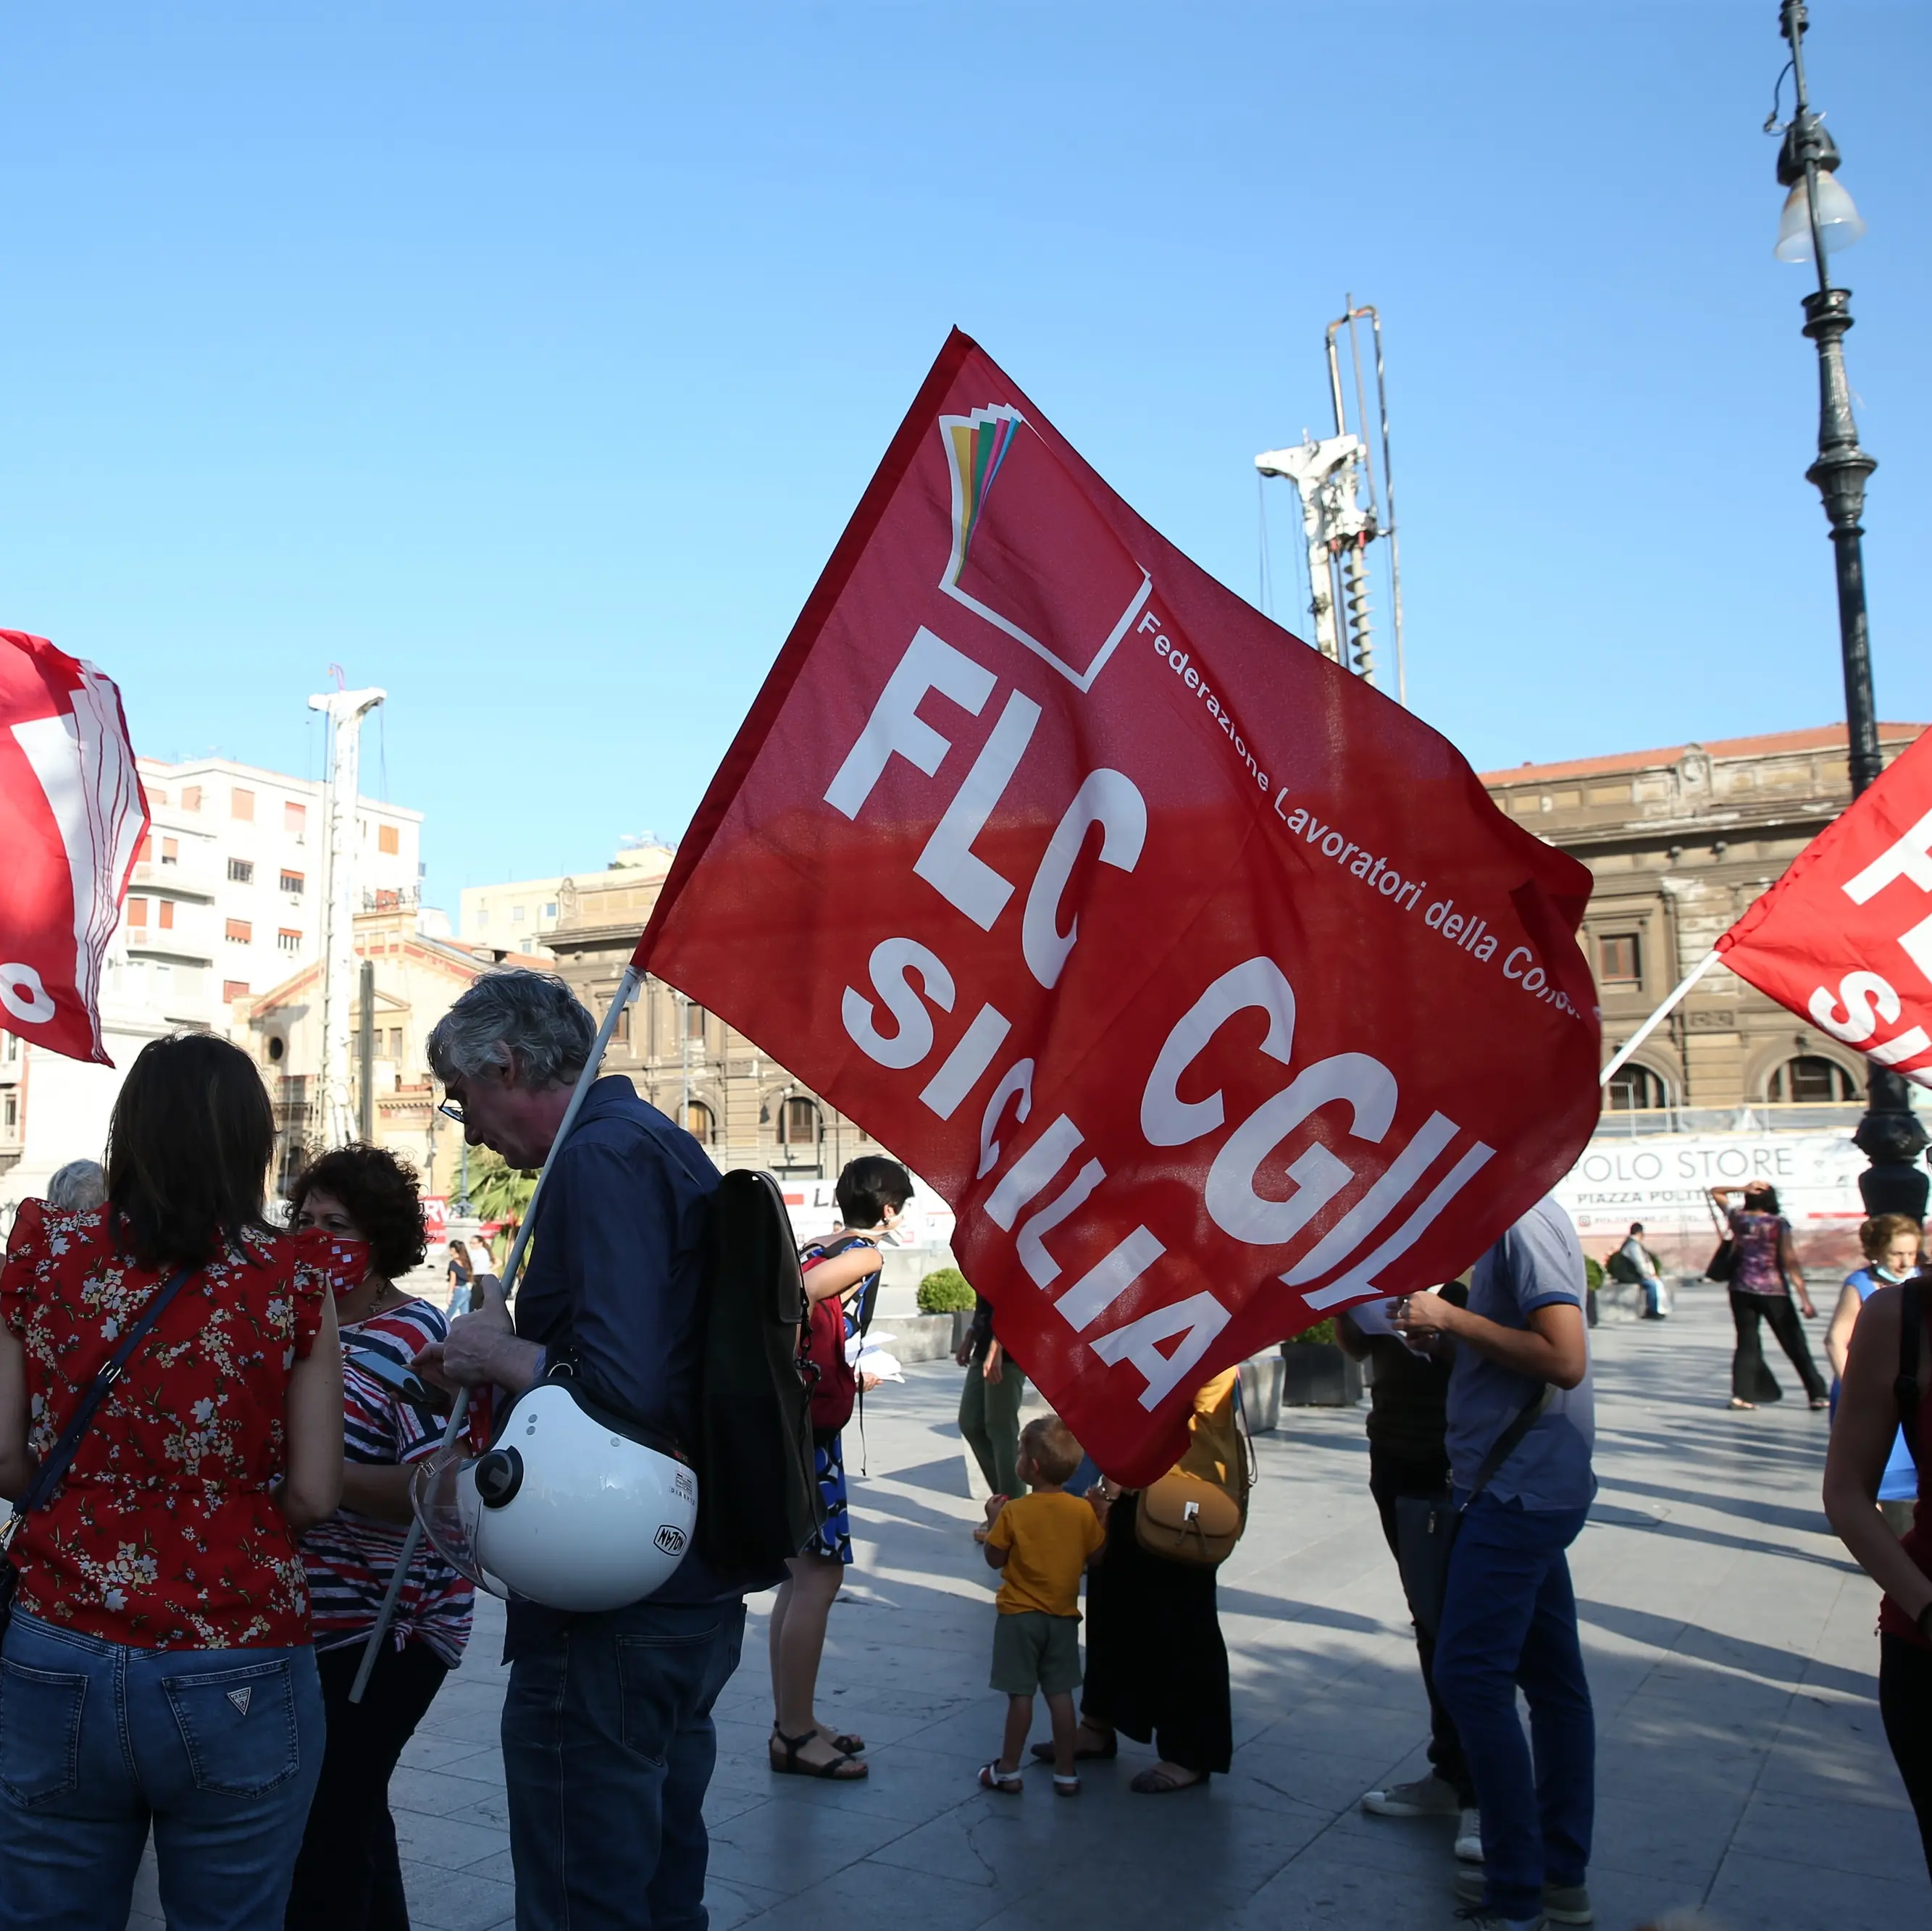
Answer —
1033 1650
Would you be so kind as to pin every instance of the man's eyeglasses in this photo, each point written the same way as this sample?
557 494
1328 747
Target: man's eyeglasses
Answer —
452 1109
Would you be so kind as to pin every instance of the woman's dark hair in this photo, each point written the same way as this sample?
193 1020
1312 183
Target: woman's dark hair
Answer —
1761 1197
380 1191
868 1187
188 1150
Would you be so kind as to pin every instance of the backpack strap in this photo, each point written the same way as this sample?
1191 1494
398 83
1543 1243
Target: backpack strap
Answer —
1905 1387
1507 1444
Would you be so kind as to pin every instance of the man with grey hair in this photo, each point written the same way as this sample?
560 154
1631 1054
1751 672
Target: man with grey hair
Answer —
79 1187
608 1743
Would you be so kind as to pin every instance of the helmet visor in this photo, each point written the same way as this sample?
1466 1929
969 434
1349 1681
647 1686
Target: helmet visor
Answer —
436 1492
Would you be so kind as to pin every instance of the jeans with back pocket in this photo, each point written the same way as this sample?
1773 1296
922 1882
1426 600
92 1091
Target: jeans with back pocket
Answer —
218 1749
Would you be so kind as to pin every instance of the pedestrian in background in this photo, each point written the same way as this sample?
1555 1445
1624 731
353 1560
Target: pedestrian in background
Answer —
462 1271
1635 1266
1763 1280
1509 1613
1862 1433
989 1404
349 1876
1408 1455
79 1187
1891 1243
158 1667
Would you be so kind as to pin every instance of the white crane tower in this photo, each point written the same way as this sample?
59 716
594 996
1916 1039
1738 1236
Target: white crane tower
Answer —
1345 508
346 710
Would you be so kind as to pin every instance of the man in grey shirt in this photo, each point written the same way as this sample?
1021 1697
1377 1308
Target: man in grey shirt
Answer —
1509 1615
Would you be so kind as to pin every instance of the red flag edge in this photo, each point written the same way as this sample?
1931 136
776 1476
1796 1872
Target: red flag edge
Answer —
798 646
1755 914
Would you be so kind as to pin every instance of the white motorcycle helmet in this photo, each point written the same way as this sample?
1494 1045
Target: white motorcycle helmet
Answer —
570 1507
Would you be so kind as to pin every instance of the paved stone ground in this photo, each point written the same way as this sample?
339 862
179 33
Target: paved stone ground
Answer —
1740 1765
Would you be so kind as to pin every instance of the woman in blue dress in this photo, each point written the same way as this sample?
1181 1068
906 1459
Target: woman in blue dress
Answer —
871 1193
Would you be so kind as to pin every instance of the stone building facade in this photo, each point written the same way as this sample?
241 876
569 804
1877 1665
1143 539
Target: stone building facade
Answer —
417 979
1680 841
744 1107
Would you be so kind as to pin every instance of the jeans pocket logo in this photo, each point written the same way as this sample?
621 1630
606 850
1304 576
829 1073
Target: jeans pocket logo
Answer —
229 1758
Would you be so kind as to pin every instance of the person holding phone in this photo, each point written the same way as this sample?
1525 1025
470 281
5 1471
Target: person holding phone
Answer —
349 1877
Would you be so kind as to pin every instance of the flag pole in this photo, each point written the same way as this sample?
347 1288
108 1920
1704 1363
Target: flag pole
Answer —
459 1413
1658 1018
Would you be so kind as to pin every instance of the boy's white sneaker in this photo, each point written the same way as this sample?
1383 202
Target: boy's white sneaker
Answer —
1427 1796
1469 1836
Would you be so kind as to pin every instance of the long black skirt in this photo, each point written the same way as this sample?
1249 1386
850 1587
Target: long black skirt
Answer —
1157 1667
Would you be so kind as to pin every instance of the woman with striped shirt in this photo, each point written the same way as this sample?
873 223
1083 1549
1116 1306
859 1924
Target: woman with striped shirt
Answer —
348 1878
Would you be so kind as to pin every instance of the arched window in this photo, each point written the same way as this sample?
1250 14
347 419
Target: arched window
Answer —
798 1123
1812 1080
1636 1088
700 1122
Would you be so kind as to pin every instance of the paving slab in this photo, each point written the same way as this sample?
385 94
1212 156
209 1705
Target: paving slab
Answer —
1742 1770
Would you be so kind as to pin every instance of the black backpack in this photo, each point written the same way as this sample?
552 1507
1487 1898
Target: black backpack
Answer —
757 1482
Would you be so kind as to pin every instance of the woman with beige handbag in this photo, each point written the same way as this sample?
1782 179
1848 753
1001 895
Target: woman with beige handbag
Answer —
1156 1666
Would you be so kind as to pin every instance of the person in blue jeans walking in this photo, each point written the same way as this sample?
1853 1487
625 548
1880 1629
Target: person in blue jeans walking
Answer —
608 1742
157 1674
1509 1615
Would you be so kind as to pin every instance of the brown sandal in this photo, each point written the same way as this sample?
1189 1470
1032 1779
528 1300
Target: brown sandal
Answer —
1159 1783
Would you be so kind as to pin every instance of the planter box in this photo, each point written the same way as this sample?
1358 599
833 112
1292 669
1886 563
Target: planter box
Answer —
916 1337
1318 1375
1261 1393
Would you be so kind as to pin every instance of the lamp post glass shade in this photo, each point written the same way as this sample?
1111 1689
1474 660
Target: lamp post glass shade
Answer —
1839 221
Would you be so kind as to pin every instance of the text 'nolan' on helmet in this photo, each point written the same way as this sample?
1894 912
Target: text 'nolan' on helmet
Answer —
571 1506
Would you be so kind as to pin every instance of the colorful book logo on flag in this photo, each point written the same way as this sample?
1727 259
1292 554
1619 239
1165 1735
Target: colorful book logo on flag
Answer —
1074 618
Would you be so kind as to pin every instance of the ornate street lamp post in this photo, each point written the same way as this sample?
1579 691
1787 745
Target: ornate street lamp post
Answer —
1819 218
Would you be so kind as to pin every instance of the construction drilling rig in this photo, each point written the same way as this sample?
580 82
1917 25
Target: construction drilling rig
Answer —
1345 506
346 710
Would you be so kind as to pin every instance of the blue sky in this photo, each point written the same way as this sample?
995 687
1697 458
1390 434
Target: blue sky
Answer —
528 359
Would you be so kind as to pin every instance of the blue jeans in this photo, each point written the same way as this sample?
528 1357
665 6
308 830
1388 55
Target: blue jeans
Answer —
608 1747
1509 1618
218 1749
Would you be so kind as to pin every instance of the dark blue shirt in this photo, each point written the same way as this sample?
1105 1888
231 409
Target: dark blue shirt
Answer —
615 1283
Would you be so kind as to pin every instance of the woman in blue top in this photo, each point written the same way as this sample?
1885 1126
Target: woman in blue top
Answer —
872 1194
1891 1244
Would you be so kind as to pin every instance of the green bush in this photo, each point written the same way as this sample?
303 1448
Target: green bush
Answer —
945 1291
1593 1273
1309 1337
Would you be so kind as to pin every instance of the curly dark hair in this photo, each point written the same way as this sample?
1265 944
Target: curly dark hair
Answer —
380 1192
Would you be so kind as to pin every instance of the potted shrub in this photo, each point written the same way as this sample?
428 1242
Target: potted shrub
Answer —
945 1290
1315 1373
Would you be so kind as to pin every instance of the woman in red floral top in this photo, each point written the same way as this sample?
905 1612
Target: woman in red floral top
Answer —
157 1669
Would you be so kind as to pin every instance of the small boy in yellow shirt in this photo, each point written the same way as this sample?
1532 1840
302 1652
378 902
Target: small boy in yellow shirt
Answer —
1042 1543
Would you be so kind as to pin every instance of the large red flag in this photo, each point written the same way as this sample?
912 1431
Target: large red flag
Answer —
1206 983
72 816
1844 938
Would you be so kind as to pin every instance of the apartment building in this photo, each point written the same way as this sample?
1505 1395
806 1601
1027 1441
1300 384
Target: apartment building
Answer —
237 860
1679 842
226 900
511 917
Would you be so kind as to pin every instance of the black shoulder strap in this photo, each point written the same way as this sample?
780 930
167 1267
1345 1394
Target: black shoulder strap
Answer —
1507 1444
60 1457
1905 1388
